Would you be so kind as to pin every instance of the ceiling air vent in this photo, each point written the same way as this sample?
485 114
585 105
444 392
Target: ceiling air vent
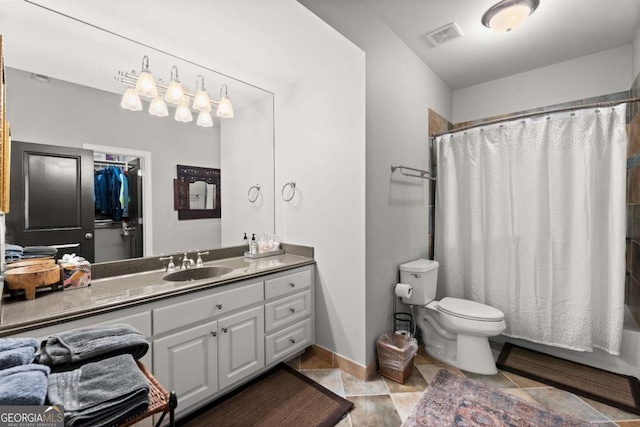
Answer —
444 34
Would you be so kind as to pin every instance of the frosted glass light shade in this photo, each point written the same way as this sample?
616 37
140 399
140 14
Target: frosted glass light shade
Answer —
131 100
146 85
183 113
204 119
509 18
175 93
158 107
201 101
225 109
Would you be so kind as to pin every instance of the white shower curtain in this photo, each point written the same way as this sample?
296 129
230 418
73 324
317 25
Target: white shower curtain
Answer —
530 219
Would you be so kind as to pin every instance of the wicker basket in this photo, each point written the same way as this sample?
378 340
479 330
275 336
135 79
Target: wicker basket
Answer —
158 399
395 356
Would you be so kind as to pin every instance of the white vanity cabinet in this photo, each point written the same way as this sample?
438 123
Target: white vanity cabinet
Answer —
186 362
240 346
288 314
206 342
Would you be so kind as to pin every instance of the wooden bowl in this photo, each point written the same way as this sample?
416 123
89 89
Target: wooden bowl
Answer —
30 277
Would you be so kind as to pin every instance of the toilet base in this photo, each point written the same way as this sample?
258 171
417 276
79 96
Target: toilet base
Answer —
471 354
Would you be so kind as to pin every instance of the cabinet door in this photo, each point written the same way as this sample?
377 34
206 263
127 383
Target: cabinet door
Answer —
241 345
186 362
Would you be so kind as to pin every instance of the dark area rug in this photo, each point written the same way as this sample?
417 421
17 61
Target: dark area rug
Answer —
620 391
450 400
281 397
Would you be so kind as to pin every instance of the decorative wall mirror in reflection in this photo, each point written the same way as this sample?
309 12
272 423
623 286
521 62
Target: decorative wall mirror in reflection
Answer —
196 193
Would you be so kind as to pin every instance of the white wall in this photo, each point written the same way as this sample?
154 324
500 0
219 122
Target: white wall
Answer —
636 54
247 159
400 89
602 73
66 114
320 144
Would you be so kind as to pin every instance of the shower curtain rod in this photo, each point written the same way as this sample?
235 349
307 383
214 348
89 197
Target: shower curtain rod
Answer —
540 113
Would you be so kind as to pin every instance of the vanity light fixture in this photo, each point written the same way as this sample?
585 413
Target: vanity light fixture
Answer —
131 100
174 93
158 107
183 113
507 15
225 109
201 101
204 119
146 85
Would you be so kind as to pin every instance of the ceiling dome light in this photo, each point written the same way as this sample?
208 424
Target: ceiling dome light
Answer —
507 15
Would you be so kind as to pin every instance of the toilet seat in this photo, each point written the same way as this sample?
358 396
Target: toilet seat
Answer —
470 310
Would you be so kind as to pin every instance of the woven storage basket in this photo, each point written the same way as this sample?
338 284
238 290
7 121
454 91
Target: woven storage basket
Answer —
158 399
395 356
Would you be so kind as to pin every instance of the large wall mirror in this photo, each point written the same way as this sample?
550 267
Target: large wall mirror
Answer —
62 91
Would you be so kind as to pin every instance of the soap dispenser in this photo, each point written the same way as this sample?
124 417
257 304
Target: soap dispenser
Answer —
245 241
254 245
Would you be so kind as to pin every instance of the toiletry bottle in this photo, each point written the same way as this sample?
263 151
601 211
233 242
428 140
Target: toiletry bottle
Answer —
254 245
245 241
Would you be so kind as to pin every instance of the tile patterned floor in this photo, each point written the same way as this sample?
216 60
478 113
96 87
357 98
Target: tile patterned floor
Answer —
382 402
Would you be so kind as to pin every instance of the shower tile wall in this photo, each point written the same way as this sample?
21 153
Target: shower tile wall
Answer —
437 124
632 282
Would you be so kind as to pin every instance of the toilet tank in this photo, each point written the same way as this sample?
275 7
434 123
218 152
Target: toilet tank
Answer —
422 275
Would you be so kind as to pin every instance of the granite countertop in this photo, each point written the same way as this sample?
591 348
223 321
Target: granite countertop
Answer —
119 292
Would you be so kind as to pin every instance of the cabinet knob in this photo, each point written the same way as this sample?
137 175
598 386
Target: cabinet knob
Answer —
219 306
292 284
293 310
214 334
225 330
292 340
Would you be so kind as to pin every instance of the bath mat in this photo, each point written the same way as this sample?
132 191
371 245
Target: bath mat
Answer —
620 391
281 397
450 400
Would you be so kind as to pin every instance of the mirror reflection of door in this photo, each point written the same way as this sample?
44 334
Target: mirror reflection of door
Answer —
201 195
52 198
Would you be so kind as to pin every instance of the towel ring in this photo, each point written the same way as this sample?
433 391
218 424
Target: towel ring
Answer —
257 193
292 184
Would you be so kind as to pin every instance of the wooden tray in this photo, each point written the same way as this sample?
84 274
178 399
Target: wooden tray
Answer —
30 277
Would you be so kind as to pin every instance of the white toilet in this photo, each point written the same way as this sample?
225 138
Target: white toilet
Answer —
455 331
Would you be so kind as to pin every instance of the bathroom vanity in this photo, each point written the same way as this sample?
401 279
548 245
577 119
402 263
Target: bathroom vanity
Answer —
207 336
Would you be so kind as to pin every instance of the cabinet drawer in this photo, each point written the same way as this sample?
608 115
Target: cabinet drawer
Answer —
288 341
287 284
287 310
199 309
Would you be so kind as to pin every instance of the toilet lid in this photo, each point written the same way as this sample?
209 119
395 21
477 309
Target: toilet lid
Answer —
470 310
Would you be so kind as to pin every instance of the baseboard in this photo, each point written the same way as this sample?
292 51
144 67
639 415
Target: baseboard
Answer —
363 373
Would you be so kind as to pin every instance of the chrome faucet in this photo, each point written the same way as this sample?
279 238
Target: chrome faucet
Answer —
186 262
171 266
199 262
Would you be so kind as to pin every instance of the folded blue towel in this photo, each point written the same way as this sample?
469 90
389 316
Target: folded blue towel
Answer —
16 357
100 393
13 343
24 385
85 344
